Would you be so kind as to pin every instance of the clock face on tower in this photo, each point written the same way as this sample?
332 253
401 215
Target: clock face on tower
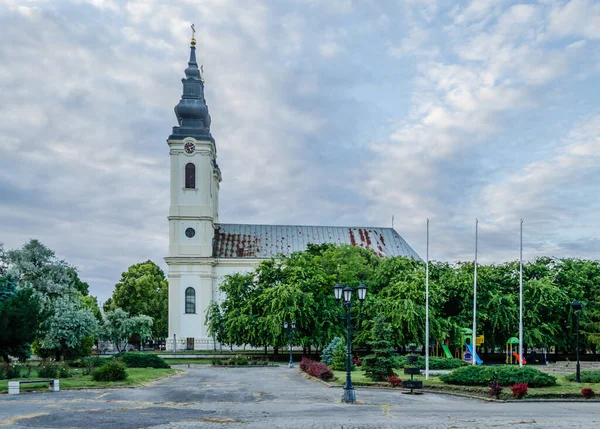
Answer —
189 147
189 233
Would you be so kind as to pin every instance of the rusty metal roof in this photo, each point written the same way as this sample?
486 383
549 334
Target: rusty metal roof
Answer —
265 241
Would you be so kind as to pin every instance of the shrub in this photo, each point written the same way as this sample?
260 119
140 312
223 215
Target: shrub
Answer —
48 370
305 363
495 389
238 360
394 381
327 354
587 393
434 362
519 390
340 354
8 372
115 370
507 375
141 360
90 363
586 377
316 369
64 371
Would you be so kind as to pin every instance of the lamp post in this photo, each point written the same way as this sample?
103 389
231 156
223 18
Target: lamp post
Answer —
577 307
339 291
291 327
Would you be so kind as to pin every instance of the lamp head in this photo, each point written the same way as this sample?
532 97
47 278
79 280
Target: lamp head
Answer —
347 294
362 292
577 305
337 291
285 325
293 325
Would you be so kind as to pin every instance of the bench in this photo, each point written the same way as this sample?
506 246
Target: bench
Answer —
14 387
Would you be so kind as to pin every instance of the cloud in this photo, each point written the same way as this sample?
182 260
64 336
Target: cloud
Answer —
339 113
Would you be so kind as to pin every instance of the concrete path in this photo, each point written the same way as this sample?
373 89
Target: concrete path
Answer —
274 398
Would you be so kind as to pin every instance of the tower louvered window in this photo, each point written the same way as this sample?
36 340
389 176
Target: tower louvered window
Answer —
190 300
190 176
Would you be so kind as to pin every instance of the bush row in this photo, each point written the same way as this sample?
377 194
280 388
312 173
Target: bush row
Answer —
473 375
434 362
316 369
586 377
141 360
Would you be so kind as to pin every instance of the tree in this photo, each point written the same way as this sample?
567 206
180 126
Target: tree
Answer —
120 327
143 289
68 326
380 364
214 322
19 312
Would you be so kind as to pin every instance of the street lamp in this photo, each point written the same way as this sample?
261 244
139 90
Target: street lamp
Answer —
349 395
577 307
291 328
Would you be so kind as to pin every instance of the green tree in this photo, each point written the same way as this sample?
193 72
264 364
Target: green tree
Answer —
67 328
120 327
143 289
380 364
19 312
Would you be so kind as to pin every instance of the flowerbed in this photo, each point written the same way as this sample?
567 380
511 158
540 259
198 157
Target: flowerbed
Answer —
505 375
316 369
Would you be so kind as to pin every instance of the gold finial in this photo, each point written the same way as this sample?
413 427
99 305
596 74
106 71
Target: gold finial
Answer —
193 41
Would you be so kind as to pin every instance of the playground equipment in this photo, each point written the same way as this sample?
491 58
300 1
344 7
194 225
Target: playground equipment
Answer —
513 353
468 342
439 349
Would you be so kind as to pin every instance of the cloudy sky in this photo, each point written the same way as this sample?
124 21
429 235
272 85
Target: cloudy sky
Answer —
334 112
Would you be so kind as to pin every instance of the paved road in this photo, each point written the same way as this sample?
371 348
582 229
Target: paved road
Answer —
274 398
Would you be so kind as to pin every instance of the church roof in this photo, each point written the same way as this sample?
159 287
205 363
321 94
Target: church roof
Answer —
265 241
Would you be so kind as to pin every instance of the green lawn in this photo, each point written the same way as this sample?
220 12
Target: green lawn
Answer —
137 376
563 389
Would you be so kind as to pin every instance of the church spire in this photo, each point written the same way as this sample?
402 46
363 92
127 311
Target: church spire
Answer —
192 111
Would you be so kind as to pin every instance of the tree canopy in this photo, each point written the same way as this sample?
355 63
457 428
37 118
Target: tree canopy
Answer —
143 290
300 287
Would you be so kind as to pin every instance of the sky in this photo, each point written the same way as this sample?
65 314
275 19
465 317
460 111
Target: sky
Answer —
324 112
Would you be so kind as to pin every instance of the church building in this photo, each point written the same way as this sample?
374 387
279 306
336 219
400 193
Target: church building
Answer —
202 251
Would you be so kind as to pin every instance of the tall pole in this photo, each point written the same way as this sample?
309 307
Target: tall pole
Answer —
349 394
473 339
521 299
291 364
578 369
427 308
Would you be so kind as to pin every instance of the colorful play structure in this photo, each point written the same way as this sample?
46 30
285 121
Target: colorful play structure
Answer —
468 343
513 352
439 349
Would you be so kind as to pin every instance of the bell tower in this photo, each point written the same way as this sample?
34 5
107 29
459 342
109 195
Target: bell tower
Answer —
193 209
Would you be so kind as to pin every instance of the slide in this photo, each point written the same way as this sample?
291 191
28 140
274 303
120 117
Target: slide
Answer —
477 358
518 357
447 351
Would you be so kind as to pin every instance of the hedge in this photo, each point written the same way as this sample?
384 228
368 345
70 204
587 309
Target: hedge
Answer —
114 370
506 375
140 360
434 362
586 377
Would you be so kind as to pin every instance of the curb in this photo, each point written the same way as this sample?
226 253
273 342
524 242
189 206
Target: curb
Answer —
459 394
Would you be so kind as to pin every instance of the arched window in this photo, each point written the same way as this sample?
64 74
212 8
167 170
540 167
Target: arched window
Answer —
190 300
190 176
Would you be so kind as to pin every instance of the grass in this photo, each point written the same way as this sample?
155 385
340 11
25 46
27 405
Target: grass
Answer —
563 388
136 377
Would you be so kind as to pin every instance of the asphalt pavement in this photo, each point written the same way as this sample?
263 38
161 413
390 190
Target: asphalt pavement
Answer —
274 397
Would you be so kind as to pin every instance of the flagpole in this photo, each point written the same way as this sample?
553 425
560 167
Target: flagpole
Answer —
521 299
427 308
473 340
